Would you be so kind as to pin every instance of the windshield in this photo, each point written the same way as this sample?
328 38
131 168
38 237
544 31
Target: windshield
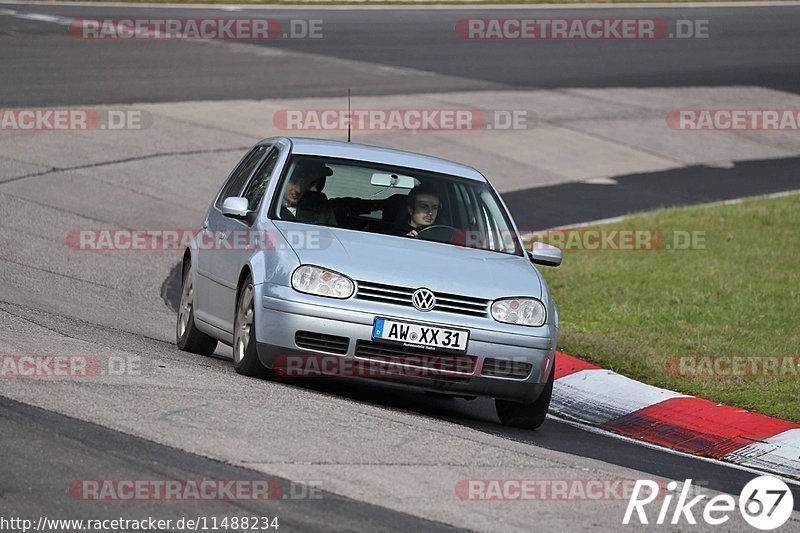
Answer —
404 202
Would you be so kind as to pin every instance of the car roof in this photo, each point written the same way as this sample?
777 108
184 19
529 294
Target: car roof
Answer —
377 154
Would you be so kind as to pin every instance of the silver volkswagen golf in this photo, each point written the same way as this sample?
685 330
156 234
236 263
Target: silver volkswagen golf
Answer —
331 258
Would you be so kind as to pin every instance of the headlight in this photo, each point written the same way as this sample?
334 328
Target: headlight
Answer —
316 280
522 311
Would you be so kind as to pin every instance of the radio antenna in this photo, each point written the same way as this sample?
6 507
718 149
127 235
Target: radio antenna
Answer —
349 116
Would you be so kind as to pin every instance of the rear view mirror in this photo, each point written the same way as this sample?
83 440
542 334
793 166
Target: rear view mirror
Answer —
395 181
235 206
545 254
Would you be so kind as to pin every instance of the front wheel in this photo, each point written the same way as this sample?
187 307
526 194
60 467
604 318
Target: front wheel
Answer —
245 354
187 336
526 415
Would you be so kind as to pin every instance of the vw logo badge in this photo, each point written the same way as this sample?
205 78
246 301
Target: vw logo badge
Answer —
423 299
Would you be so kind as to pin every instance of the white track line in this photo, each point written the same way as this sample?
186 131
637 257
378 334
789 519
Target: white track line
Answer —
592 429
40 17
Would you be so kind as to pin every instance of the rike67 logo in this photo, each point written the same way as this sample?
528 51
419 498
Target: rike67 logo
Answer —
765 503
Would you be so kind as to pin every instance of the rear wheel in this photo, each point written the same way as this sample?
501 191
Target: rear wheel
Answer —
187 336
526 415
245 354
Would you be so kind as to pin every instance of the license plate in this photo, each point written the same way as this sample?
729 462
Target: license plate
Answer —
432 338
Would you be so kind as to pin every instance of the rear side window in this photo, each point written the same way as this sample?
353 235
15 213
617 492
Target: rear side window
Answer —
255 189
235 184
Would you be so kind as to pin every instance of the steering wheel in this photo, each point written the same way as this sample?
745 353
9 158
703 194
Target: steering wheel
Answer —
437 232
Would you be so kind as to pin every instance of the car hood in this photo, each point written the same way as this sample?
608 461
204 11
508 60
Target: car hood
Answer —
407 262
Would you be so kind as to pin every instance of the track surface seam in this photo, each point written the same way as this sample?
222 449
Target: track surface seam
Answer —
125 160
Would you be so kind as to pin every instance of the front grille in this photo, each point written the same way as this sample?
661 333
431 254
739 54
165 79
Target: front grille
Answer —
321 342
449 303
503 368
431 364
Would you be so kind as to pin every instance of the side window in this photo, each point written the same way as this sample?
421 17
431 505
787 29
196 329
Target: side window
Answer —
255 189
234 185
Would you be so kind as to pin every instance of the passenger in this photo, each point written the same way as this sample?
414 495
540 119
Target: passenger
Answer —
291 196
304 200
313 206
423 207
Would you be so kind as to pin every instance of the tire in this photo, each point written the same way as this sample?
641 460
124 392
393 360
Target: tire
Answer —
187 336
245 354
526 415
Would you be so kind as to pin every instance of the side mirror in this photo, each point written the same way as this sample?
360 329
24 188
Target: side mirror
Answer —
235 207
545 254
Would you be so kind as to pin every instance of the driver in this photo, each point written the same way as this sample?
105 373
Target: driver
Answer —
423 207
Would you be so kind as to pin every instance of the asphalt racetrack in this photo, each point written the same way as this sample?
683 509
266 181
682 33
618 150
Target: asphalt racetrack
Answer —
596 144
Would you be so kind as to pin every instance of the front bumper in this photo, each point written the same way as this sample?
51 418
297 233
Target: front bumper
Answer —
284 312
